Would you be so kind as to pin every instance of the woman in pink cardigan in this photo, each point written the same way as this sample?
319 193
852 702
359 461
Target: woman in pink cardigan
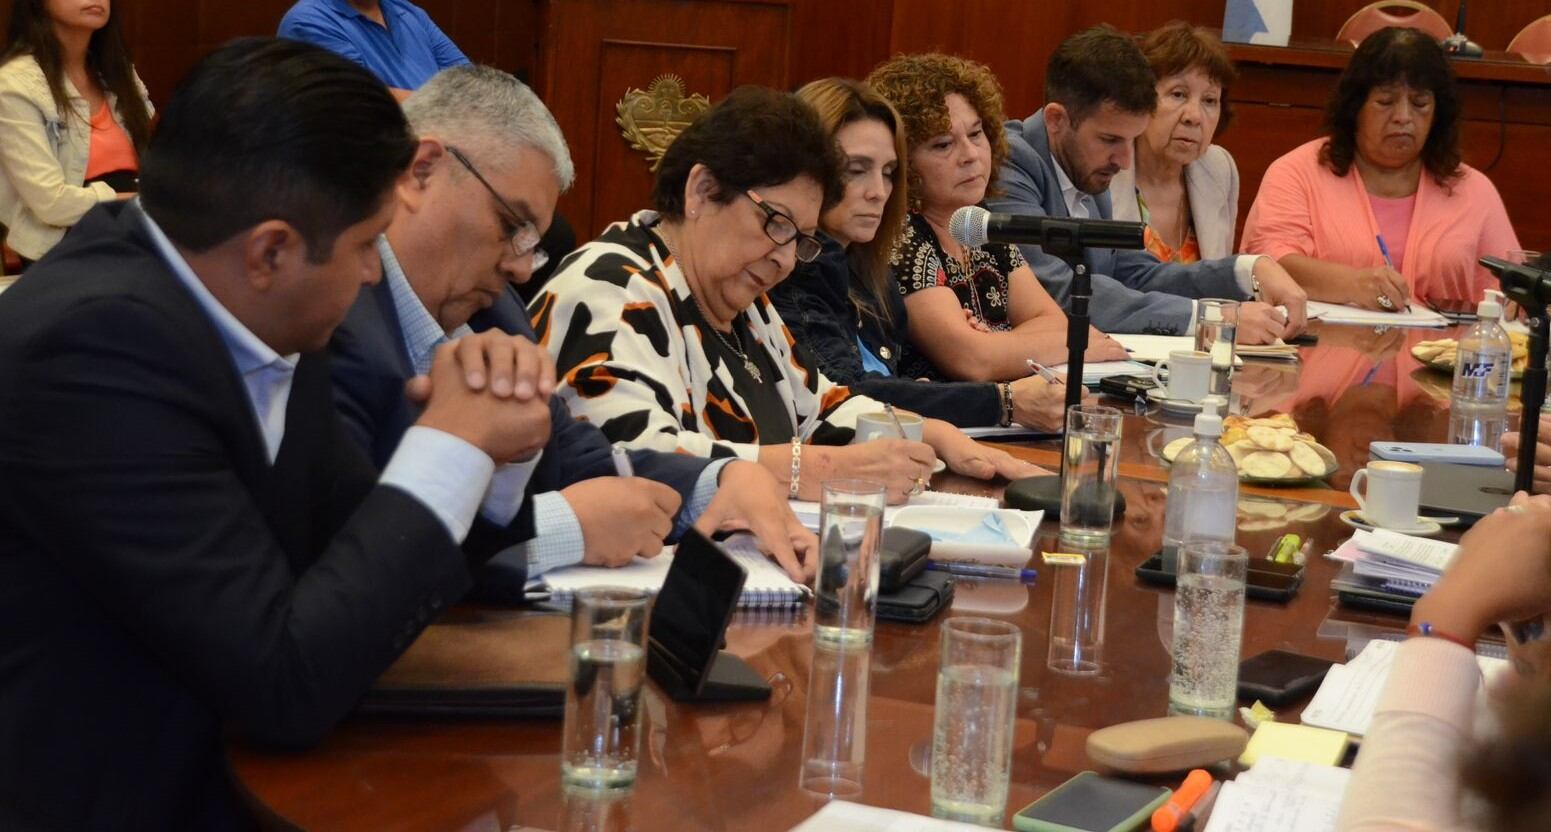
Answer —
1389 169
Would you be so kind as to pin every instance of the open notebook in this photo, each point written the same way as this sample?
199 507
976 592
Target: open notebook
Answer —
807 511
767 584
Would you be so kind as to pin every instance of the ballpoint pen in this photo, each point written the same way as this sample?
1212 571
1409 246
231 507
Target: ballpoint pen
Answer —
1044 372
1384 300
977 570
622 466
889 409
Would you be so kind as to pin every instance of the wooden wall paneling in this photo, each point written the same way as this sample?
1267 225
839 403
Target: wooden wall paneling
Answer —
845 39
594 50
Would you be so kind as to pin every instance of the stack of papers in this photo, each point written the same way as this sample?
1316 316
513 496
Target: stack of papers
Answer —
1413 316
1155 348
1096 372
1278 350
808 511
1395 562
1350 693
1280 795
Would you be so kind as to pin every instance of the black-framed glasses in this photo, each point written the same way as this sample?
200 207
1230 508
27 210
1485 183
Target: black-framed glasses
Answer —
782 229
525 238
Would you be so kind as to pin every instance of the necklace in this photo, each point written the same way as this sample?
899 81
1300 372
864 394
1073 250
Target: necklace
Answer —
748 363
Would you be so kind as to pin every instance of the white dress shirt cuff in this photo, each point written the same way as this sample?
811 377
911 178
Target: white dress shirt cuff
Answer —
504 496
1243 270
557 538
445 473
1195 316
700 499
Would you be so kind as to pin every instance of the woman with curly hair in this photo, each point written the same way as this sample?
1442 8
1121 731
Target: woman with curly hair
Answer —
1383 209
975 314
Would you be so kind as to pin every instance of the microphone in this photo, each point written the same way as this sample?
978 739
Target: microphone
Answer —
1457 44
1528 286
973 227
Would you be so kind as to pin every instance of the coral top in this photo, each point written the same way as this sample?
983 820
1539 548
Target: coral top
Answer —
1304 208
111 150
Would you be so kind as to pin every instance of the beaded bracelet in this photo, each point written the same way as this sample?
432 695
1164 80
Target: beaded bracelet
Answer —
1006 392
796 465
1426 629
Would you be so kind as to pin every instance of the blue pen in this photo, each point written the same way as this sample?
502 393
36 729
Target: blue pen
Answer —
1384 250
976 570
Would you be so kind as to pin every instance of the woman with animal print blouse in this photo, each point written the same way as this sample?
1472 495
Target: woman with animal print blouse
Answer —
663 336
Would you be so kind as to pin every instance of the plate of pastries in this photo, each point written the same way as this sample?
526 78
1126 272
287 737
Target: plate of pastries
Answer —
1269 450
1443 353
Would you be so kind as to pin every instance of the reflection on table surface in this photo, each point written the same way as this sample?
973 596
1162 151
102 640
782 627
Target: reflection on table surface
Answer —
723 767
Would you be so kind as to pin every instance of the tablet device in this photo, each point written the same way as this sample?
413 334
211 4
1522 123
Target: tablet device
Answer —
1091 802
692 609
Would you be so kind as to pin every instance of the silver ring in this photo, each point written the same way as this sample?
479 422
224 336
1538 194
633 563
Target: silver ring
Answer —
1385 302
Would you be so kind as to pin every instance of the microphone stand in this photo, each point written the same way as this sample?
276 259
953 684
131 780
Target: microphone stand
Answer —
1532 393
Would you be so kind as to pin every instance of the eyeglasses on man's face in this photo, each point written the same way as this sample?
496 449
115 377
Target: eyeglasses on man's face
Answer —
782 229
522 235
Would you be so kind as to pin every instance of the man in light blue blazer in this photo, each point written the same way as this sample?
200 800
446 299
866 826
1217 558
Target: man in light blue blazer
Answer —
1060 161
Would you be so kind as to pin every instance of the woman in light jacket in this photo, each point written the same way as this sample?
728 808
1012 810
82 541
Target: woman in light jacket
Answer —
1184 188
73 117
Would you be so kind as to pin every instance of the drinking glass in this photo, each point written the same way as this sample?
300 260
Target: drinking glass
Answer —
1078 593
834 733
1089 472
972 732
1208 628
602 736
846 590
1217 325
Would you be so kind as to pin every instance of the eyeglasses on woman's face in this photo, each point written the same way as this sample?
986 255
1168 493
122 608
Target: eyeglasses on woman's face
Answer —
782 229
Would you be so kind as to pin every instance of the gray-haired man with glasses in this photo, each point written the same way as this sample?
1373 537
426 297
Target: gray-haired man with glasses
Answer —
481 190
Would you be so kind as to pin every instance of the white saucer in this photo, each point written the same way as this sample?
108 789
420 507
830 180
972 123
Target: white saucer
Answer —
1160 398
1425 527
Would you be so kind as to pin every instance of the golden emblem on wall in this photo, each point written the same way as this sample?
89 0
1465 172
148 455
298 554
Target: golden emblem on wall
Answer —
652 118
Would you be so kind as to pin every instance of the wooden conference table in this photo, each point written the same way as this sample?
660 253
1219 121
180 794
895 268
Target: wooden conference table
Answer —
727 767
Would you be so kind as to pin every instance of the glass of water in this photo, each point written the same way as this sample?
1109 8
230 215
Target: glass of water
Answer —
1078 592
1217 325
846 590
1208 628
834 733
972 734
602 737
1089 473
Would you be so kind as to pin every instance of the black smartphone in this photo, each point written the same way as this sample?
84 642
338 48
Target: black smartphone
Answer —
1126 387
1456 311
1266 580
1091 802
1277 677
692 609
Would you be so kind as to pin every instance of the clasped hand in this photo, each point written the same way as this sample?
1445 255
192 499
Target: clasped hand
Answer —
491 390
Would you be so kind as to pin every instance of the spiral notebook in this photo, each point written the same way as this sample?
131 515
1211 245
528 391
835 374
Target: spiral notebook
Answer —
767 585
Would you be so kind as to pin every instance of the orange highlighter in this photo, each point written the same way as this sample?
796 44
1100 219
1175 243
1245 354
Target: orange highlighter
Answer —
1168 816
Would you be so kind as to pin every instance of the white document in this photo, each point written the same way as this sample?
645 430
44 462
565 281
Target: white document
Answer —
843 816
1414 316
1405 550
1280 795
1156 348
807 511
767 584
1349 695
1093 373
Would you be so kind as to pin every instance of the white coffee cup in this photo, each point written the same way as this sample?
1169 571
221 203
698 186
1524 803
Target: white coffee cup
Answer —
870 426
1188 376
1393 497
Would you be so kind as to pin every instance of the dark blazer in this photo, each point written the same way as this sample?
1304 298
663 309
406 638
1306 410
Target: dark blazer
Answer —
161 582
371 366
816 304
1132 290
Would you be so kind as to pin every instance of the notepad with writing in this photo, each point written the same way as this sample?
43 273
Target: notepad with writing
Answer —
1280 795
767 585
1349 695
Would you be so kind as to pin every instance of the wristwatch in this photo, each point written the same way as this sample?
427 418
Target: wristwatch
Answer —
1254 287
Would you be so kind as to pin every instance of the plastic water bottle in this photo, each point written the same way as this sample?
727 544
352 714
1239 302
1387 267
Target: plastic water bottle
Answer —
1203 497
1478 404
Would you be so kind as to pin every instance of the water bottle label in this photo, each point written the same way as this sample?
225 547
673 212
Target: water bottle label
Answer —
1477 369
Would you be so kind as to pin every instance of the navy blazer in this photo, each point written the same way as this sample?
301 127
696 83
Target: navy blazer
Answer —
371 367
1133 291
162 583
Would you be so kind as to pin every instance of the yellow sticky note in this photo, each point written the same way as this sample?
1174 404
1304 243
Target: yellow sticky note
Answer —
1303 743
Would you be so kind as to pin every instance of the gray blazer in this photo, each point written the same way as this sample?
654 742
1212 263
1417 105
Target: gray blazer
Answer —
1213 184
1132 290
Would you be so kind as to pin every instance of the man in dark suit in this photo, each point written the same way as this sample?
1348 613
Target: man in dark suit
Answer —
189 542
489 168
1100 95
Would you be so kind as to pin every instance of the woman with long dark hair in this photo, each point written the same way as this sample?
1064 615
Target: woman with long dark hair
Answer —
73 119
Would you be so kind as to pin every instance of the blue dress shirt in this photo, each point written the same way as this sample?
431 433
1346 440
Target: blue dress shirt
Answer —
404 54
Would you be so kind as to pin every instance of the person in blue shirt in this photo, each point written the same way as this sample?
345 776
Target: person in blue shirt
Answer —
395 39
